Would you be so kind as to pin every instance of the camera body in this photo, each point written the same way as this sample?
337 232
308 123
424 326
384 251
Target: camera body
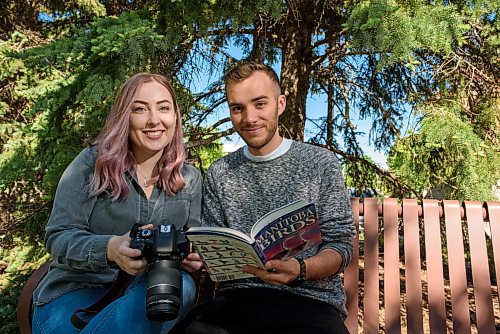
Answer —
164 248
163 243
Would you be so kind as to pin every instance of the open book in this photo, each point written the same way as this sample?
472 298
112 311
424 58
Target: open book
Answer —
280 234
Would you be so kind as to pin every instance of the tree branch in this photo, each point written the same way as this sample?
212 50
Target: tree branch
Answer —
201 142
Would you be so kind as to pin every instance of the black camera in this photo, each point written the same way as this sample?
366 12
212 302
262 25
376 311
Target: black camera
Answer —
164 248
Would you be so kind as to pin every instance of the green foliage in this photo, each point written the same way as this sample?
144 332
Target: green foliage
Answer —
447 155
93 6
65 90
361 177
398 28
487 122
15 266
206 154
57 89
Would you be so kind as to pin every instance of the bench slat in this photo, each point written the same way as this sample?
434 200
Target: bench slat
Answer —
494 218
351 275
480 270
371 276
391 267
456 267
412 265
435 277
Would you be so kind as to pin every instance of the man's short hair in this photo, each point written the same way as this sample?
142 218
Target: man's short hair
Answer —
245 69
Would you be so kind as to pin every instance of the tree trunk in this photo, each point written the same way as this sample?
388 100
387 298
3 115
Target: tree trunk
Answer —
330 116
259 40
296 67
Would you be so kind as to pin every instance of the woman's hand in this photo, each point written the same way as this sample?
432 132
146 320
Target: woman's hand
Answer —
192 262
128 259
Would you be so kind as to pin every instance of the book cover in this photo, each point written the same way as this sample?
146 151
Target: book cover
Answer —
286 235
280 234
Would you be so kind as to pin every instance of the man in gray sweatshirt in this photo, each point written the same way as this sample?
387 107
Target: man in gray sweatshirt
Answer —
300 295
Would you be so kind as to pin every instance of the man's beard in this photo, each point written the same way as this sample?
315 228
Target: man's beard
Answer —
269 134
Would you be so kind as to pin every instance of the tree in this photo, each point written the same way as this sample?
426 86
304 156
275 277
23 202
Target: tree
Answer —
455 152
451 159
374 58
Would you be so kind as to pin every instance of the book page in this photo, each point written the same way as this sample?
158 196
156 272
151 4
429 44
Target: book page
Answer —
225 257
222 231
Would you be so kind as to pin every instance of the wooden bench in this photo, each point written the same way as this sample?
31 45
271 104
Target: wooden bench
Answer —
415 269
411 273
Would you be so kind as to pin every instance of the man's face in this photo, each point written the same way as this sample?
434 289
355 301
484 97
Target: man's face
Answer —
255 105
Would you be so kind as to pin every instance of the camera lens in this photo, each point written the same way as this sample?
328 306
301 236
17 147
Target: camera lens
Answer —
146 233
163 291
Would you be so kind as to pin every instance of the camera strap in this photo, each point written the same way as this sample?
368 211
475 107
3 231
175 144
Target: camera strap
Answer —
116 290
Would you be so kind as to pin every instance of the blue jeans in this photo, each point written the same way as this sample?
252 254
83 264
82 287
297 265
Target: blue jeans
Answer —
126 314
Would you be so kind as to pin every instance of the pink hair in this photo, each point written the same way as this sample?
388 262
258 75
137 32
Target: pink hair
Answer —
114 154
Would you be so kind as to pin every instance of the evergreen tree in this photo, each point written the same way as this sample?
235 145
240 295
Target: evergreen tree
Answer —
376 58
454 152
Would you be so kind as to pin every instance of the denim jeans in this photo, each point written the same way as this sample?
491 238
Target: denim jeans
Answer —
126 314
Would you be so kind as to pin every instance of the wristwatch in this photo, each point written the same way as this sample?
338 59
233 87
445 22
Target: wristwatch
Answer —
302 275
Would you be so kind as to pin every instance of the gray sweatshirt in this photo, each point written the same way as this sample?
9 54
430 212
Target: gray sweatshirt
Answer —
237 191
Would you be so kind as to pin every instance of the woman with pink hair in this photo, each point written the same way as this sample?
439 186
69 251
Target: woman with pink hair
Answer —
133 175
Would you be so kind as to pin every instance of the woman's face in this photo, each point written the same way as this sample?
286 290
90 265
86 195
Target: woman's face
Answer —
152 121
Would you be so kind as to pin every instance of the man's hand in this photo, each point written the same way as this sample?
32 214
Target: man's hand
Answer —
278 272
192 262
126 258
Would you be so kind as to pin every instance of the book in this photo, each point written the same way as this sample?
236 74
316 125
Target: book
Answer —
281 234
